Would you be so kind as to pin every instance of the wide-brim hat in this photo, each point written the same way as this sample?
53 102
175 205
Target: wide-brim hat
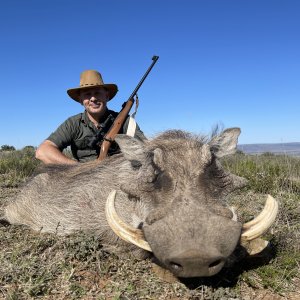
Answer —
91 79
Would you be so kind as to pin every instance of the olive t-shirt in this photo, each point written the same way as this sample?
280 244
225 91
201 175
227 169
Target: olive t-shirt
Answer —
84 138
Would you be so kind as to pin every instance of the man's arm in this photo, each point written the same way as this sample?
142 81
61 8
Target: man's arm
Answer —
49 153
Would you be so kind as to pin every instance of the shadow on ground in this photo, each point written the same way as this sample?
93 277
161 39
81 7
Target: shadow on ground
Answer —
230 274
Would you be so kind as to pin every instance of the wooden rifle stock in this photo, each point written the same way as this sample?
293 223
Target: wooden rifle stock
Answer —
114 130
120 119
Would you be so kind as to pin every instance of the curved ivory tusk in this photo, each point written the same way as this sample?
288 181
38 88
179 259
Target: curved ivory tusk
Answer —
259 225
121 229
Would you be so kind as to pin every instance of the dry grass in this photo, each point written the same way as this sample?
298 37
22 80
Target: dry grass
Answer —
45 266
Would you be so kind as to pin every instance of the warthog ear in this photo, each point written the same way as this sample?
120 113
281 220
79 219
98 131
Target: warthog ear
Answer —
225 143
132 148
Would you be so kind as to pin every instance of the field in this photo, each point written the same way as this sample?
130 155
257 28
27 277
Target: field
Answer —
46 266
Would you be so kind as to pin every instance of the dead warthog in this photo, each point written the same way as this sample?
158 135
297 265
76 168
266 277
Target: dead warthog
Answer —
166 196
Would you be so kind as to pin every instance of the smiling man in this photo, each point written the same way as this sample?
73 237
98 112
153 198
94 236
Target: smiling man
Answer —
84 132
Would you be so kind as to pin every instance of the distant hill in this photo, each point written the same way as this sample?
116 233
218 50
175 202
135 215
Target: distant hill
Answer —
281 148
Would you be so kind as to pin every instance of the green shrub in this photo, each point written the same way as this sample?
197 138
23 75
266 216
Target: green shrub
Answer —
16 166
7 148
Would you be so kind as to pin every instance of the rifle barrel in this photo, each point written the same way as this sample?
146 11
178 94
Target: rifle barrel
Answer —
155 59
120 119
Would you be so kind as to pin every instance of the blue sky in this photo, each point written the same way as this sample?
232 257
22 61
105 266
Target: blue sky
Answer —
227 62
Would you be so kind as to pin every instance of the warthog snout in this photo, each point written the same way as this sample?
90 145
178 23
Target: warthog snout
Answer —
191 249
192 263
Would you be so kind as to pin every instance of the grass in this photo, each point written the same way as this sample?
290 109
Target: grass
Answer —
16 167
278 176
267 173
45 266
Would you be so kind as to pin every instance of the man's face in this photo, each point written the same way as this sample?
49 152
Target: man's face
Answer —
94 100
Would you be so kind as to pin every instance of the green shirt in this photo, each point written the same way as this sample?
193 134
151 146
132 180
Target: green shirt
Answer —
84 138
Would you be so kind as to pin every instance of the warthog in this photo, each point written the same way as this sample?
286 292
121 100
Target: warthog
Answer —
166 196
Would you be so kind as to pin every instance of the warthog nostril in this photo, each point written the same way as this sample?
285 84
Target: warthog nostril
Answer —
215 263
175 266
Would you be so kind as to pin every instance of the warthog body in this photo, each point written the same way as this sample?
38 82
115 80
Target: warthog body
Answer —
172 187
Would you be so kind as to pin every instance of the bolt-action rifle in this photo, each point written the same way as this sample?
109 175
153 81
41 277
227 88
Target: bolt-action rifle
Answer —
121 118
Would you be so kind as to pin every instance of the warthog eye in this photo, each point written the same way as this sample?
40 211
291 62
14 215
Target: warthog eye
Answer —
140 226
212 161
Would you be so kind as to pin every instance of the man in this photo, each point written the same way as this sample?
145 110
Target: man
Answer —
85 131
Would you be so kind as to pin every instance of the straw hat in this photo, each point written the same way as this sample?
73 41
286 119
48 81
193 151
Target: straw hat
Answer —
92 79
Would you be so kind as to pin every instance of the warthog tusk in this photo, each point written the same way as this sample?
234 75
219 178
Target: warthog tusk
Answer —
251 230
121 229
259 225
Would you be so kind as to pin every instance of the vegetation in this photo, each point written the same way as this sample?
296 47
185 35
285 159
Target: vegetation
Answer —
278 175
16 166
46 266
7 148
267 173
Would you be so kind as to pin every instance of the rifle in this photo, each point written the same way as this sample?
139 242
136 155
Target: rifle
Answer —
120 119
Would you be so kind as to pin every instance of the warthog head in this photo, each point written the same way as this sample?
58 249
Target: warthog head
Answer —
182 188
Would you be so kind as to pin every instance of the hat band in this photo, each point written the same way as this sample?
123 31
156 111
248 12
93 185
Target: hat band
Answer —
91 84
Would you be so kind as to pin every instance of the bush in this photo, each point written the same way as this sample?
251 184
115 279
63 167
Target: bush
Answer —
16 166
7 148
